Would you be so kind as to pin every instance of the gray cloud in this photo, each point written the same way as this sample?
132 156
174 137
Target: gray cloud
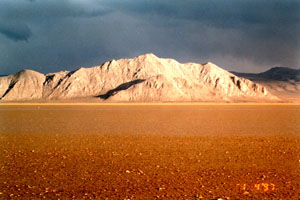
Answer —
15 31
241 35
40 10
215 12
15 15
261 31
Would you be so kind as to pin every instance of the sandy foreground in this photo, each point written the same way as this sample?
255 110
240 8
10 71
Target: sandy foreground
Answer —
150 152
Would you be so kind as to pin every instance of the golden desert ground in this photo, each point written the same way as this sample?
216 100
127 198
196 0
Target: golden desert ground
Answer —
150 151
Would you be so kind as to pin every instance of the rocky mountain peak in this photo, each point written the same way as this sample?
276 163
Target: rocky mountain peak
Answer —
145 78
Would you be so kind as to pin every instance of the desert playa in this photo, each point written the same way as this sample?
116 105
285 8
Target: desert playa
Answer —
150 151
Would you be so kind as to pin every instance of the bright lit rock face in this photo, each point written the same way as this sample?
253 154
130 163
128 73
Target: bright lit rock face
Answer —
145 78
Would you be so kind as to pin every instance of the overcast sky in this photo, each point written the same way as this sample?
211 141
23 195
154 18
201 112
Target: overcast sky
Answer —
240 35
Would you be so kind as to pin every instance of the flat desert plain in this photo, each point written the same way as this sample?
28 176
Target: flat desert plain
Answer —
149 151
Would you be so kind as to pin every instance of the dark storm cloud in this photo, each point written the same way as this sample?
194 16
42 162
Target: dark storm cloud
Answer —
241 35
15 31
265 32
232 13
39 10
58 33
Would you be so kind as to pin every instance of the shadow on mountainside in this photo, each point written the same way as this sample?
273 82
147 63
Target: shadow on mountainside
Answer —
10 87
123 86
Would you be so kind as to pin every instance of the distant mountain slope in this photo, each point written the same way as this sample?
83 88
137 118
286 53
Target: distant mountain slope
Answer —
275 73
280 81
282 74
145 78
